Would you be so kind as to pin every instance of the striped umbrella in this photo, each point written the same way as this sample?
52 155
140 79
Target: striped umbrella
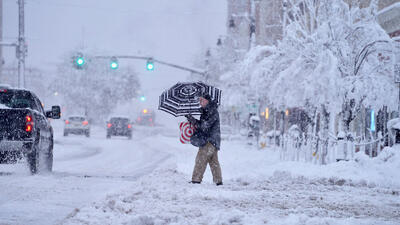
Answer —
183 98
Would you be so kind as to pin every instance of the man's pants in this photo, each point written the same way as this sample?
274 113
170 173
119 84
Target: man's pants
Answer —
207 154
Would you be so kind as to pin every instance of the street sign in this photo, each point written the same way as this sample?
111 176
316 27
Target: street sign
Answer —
372 120
397 73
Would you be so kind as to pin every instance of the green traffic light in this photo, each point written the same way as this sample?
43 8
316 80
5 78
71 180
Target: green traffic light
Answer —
142 98
80 61
114 65
150 65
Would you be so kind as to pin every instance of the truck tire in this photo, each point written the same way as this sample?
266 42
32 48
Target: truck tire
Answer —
40 161
87 133
65 133
49 157
33 159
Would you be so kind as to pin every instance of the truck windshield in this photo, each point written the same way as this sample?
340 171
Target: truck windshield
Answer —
17 99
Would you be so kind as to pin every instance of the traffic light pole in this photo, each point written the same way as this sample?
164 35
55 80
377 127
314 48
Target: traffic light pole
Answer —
180 67
154 60
21 44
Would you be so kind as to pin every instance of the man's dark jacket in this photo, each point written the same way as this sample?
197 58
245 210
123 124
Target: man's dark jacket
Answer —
208 124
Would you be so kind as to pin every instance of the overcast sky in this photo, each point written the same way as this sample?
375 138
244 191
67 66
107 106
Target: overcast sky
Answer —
171 30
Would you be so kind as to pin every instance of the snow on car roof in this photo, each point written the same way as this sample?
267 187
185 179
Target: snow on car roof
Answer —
5 86
3 106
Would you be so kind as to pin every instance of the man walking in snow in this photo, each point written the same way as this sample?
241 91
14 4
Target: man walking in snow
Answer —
209 128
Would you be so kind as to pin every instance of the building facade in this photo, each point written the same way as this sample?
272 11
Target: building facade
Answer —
268 22
238 24
389 17
262 20
256 22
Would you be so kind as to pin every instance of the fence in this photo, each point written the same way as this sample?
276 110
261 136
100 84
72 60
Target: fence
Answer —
313 149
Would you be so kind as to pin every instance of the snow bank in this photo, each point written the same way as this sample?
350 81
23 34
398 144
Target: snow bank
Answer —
258 189
164 198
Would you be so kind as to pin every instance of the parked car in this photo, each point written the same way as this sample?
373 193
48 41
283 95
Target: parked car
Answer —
25 131
146 117
119 126
77 125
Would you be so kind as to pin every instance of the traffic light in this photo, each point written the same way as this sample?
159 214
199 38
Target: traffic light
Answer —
142 98
150 64
114 63
79 61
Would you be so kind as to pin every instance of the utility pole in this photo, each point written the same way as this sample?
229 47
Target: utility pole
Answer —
1 39
284 18
397 81
254 4
21 51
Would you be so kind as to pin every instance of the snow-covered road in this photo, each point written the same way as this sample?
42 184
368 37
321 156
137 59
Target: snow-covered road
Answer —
145 181
85 169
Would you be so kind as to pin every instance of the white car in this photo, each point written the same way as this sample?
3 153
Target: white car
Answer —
77 125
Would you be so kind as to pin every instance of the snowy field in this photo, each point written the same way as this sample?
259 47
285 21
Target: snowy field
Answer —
145 181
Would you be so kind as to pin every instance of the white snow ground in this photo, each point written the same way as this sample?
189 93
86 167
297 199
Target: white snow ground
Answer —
98 181
85 169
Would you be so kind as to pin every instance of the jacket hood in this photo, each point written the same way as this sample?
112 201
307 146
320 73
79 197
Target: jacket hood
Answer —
212 105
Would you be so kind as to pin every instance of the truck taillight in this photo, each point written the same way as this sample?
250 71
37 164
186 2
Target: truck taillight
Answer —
129 126
109 125
66 122
28 128
28 123
85 123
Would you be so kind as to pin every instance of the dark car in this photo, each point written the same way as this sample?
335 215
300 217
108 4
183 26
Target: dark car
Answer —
119 126
25 131
146 117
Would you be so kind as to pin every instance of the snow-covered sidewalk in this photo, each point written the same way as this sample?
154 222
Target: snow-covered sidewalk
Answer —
258 189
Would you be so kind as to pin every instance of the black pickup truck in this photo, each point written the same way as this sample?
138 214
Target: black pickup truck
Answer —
25 131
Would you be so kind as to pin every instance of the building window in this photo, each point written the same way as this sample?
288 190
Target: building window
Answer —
231 23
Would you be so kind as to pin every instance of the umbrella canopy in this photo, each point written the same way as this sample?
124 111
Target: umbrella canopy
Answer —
182 98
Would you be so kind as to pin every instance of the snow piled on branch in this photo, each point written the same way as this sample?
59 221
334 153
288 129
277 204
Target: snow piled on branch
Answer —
331 54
